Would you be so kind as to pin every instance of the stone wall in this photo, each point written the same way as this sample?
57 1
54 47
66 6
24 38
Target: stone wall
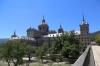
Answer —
86 59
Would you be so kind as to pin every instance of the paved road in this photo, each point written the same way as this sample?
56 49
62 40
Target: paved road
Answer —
96 53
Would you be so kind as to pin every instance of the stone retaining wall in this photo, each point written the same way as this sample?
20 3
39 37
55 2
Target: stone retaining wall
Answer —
86 59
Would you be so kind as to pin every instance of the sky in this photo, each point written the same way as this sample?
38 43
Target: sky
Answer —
20 15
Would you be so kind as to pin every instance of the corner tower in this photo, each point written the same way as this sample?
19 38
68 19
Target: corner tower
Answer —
84 30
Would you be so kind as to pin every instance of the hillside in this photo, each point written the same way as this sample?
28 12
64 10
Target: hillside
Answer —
3 40
94 34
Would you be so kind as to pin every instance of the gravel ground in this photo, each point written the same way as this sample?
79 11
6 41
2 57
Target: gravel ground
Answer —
36 63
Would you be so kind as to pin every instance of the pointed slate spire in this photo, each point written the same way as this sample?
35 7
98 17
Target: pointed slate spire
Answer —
83 18
43 17
43 20
60 25
15 32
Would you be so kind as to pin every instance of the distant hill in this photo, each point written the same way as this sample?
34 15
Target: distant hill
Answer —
3 40
94 34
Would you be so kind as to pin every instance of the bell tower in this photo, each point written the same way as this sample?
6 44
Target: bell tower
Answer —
84 30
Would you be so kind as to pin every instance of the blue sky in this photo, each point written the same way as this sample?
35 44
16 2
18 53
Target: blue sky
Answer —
19 15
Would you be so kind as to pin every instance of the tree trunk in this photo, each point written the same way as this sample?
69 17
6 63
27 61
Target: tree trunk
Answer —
15 64
8 63
29 56
41 59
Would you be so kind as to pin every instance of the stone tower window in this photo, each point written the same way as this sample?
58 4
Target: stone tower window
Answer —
40 28
43 27
87 31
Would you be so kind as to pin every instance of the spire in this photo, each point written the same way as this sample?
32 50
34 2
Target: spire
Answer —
83 18
43 20
43 17
60 25
15 32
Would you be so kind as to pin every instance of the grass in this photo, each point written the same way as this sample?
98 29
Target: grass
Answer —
35 64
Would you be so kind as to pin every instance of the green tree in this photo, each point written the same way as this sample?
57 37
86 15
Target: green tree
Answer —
13 51
41 51
30 50
64 43
6 52
66 49
56 47
97 39
74 52
19 51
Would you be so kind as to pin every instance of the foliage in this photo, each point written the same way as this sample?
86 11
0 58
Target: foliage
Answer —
66 49
66 44
97 38
41 51
6 52
13 51
74 52
93 35
30 50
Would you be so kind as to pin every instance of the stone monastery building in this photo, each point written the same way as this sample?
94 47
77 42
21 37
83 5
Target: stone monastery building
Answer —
36 37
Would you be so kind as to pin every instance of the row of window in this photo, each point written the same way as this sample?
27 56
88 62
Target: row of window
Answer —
84 32
84 27
86 44
85 40
43 28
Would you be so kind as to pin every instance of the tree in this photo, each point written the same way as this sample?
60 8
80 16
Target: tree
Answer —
63 44
74 52
30 50
97 39
6 52
56 47
13 51
19 51
41 51
66 49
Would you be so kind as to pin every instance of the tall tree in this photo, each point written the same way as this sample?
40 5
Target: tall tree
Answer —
56 47
66 49
30 50
41 51
6 52
19 51
13 51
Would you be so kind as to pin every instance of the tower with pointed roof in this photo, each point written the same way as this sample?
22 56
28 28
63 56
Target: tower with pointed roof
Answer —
60 30
14 35
43 27
84 30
